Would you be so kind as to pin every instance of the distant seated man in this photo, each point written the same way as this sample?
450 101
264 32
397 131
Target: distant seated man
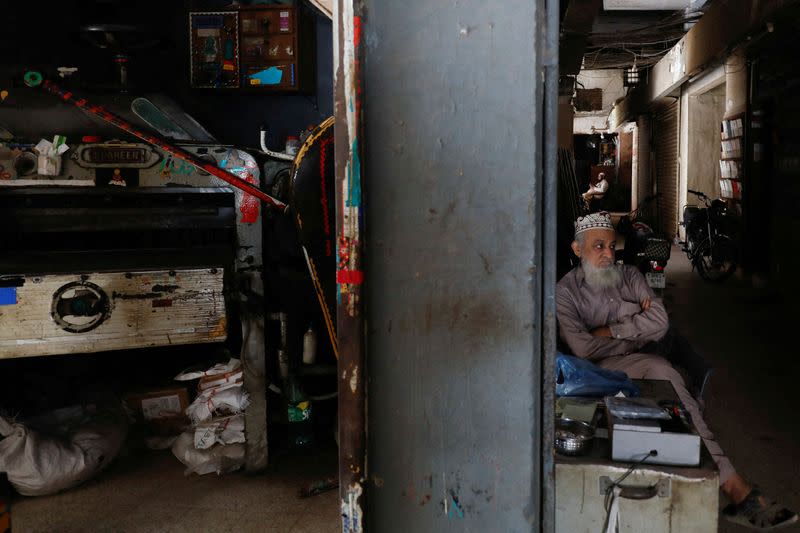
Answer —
598 187
607 314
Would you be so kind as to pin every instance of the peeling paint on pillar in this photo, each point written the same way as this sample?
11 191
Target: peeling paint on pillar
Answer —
354 380
348 51
352 515
348 256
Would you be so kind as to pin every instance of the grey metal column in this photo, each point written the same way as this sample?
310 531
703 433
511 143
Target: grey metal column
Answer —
549 187
452 188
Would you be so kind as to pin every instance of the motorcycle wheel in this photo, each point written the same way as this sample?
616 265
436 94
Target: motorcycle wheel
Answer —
716 263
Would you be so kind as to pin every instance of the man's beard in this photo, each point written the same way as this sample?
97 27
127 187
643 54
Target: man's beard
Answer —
601 277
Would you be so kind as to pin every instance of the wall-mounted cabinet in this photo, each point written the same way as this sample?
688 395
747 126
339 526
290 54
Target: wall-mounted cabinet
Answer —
259 48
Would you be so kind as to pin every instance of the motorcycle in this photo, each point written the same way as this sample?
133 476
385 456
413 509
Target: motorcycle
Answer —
710 244
644 248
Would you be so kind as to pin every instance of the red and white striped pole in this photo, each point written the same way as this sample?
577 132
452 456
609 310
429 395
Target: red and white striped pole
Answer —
175 151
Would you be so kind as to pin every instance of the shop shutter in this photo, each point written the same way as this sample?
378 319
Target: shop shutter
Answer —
666 167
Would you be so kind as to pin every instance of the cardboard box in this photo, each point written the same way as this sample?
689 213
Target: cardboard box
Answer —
162 410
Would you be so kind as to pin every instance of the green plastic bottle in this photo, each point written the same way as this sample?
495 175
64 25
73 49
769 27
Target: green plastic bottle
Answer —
301 426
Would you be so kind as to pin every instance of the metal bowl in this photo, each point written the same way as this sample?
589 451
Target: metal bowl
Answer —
573 437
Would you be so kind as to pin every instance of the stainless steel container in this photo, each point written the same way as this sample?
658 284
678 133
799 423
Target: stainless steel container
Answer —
573 437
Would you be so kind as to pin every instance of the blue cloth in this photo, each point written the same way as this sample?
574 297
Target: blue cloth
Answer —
269 76
8 295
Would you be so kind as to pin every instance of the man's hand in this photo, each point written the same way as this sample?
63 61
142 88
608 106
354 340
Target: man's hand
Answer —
602 331
645 304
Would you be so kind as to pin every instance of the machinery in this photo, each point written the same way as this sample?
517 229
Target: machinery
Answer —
98 269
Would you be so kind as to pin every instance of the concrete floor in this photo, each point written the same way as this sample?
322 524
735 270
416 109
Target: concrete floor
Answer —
752 403
747 334
150 494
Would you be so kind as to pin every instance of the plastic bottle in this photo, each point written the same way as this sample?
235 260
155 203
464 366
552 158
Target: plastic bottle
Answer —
283 363
310 346
301 426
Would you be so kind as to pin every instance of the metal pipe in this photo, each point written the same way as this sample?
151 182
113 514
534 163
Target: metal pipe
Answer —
175 151
264 150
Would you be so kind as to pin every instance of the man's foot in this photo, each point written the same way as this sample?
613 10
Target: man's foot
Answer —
757 512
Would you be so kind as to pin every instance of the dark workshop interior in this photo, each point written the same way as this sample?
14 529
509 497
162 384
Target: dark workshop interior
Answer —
159 223
301 265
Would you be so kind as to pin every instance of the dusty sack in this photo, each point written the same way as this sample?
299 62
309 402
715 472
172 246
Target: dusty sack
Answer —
39 462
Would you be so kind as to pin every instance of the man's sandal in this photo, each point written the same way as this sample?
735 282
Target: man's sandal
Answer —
753 514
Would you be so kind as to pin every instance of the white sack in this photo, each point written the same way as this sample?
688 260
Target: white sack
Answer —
221 368
39 462
226 430
218 458
226 399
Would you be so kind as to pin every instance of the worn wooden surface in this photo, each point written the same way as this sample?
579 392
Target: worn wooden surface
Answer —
691 506
154 308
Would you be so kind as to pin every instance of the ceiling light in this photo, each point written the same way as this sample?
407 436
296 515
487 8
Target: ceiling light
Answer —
631 78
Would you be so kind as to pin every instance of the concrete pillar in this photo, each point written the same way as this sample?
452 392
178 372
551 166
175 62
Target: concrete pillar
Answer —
735 83
683 158
634 167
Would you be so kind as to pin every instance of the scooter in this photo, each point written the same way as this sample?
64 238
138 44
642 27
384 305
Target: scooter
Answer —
644 249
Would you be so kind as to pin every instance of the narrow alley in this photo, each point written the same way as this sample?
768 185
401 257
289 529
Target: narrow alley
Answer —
749 399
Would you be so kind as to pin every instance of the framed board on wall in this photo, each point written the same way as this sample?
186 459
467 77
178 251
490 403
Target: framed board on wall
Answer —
214 49
260 48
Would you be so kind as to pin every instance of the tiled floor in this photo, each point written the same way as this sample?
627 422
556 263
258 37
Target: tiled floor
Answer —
150 493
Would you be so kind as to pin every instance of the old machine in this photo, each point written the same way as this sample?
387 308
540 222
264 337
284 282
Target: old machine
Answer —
125 236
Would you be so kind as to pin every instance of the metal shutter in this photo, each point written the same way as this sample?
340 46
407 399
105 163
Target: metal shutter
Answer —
666 166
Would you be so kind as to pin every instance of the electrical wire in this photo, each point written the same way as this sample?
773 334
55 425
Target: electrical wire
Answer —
670 21
629 471
736 71
608 50
616 483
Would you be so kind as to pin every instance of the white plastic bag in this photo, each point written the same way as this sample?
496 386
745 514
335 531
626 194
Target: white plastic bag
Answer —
39 462
235 376
225 399
218 458
221 368
225 430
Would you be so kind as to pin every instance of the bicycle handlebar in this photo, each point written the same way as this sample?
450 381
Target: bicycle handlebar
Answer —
698 193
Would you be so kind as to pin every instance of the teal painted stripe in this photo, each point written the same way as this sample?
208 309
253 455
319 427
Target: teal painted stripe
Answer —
354 178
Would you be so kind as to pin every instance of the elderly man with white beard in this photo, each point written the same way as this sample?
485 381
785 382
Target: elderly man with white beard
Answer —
607 314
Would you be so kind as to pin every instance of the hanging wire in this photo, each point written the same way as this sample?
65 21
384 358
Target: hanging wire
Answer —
613 49
617 483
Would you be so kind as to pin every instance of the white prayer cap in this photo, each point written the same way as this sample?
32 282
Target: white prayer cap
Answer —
601 220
